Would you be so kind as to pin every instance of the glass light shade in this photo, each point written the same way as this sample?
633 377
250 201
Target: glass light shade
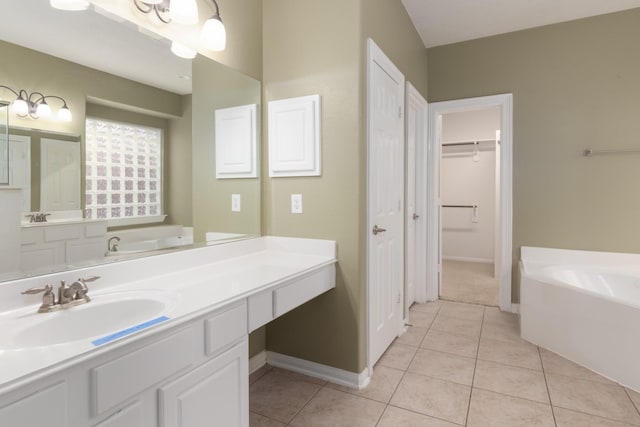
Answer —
213 35
152 1
20 107
43 110
64 115
182 51
184 12
69 4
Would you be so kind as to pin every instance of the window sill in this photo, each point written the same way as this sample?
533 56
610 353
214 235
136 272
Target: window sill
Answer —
122 222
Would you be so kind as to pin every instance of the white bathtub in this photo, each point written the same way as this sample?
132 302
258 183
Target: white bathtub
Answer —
584 306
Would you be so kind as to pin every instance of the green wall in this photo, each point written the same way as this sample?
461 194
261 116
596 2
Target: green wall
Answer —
575 85
216 86
309 48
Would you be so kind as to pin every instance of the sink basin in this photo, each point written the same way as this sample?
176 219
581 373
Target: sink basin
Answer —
107 313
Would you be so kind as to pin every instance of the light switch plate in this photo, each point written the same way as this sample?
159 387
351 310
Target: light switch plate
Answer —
296 203
235 203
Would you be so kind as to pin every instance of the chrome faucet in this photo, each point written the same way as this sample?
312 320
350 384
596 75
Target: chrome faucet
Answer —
111 245
68 296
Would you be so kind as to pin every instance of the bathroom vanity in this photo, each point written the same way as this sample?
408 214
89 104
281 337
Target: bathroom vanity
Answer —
55 244
164 340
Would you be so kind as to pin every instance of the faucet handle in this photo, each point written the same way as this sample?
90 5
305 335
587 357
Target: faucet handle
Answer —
89 279
48 299
33 291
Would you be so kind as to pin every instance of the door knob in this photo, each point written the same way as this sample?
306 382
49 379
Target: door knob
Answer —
377 230
415 216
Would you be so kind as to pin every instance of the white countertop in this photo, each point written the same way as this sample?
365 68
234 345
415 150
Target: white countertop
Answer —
197 281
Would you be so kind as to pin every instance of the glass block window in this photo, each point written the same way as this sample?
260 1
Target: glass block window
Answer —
123 170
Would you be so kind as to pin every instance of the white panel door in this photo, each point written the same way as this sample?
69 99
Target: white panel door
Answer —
386 201
416 234
20 167
60 178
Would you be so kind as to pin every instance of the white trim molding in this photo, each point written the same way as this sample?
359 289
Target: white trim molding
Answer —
436 110
317 370
257 361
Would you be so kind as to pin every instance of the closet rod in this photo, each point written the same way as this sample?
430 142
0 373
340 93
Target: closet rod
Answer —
460 206
451 144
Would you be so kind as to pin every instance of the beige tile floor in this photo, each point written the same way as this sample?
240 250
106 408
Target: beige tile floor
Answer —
459 364
470 282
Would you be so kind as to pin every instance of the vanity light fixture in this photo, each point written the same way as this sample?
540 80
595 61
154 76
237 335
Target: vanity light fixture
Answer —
212 36
35 105
179 11
69 4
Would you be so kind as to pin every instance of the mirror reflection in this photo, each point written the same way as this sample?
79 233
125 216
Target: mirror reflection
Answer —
134 172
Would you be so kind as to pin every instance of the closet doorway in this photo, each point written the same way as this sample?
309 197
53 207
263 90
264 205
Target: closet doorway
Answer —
469 174
470 201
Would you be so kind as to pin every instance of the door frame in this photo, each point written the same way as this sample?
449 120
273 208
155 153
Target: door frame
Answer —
434 249
376 55
415 100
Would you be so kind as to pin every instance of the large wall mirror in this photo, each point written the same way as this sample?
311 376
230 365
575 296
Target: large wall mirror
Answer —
123 87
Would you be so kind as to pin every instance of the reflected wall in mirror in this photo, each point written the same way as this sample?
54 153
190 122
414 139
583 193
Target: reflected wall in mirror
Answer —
148 87
4 144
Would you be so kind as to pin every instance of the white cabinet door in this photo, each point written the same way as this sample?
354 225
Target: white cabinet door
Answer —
216 393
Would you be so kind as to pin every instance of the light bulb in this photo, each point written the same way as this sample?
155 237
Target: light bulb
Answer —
183 51
69 4
43 110
184 12
64 115
20 107
213 35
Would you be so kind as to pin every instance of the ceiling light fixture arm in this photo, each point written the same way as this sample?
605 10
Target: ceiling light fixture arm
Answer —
161 10
217 14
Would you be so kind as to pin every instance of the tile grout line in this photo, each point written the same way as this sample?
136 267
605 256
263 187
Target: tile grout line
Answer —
306 403
632 402
475 366
546 384
404 371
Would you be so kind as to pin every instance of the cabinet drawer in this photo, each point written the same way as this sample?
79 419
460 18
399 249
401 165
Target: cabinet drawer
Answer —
31 235
224 328
47 407
95 229
260 309
124 377
302 290
53 233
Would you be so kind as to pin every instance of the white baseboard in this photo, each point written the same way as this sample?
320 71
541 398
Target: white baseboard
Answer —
257 361
466 259
515 308
317 370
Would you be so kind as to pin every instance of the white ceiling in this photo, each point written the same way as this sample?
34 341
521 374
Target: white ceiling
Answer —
93 40
441 22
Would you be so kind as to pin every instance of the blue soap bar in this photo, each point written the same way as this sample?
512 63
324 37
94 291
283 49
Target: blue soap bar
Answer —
129 331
